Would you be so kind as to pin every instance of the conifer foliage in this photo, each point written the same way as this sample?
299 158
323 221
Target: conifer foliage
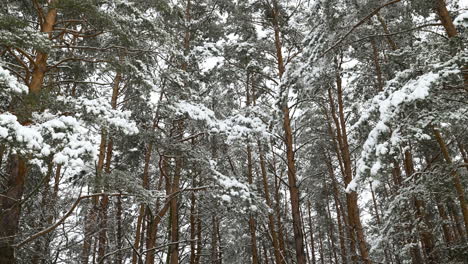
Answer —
222 131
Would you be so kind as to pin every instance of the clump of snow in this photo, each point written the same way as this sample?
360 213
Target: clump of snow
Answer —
14 133
385 136
235 127
10 84
461 20
101 113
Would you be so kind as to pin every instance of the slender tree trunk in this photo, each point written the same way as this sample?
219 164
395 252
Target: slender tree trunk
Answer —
444 16
105 199
311 232
199 240
389 39
331 231
415 253
252 223
11 208
288 136
354 220
119 235
322 259
90 223
2 153
426 236
445 227
456 220
455 177
460 146
174 213
193 226
40 65
278 210
378 70
441 9
271 221
214 241
339 211
16 165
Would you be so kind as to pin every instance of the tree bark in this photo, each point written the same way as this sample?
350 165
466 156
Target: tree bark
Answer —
311 232
271 221
354 220
288 137
455 177
11 207
426 236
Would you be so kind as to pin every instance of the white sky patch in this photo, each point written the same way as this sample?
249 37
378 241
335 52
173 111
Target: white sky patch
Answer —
261 32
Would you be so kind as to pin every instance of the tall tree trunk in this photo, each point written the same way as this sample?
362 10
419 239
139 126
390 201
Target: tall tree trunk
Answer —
2 153
426 236
252 223
441 9
354 220
455 177
174 213
119 235
199 240
271 221
321 250
193 225
40 64
288 136
11 207
390 41
331 231
214 241
105 199
16 165
311 232
90 221
278 209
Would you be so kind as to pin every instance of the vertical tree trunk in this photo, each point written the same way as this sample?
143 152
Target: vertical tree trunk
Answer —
2 153
455 177
214 241
456 220
378 70
444 16
445 227
119 235
288 136
11 208
193 226
252 224
426 236
199 241
271 221
339 210
390 41
278 210
174 213
322 259
311 232
90 221
354 220
331 231
105 199
40 65
16 165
